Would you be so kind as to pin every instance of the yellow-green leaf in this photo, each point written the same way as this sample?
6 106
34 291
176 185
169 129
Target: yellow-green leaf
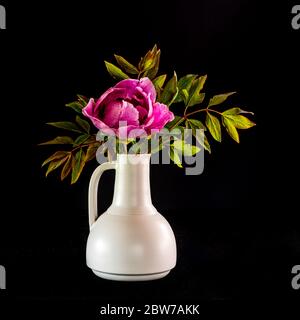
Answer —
195 124
218 99
184 148
239 121
66 125
159 81
184 83
234 111
67 168
77 165
82 100
174 123
56 156
58 140
125 65
170 91
196 97
76 106
214 127
115 72
83 124
81 139
185 96
174 156
202 140
91 151
55 164
231 129
158 84
147 61
206 144
153 69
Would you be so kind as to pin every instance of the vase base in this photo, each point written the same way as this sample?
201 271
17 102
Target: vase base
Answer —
130 277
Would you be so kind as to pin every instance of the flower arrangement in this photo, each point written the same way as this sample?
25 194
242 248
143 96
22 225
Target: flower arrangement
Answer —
137 107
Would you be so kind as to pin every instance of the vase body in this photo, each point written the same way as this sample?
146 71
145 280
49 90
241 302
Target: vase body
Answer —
131 241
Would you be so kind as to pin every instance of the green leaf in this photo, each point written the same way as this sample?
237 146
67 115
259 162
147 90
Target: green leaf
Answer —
55 164
76 106
115 72
92 139
125 65
158 84
174 156
159 81
184 148
195 124
206 144
170 91
191 150
214 127
91 151
184 83
185 96
240 122
82 100
81 139
195 96
231 129
174 123
66 125
58 140
153 69
67 167
83 124
56 156
77 165
202 140
235 111
147 62
218 99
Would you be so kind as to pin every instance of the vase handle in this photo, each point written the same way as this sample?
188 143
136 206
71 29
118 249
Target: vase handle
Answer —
93 190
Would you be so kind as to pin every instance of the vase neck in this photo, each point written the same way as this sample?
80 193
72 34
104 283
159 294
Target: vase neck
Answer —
132 183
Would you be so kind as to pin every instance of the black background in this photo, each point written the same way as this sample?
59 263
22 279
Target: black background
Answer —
237 234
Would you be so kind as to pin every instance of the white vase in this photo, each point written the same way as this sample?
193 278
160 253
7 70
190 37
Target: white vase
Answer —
131 241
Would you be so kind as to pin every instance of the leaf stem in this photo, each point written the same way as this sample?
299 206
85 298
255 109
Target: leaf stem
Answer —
82 146
177 123
201 110
185 116
185 110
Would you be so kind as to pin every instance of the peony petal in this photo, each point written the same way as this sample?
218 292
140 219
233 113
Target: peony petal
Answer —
129 114
88 109
161 116
143 113
128 86
108 96
150 118
112 113
148 87
89 112
150 106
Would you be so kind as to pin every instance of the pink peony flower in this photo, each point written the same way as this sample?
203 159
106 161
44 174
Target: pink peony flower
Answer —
131 102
